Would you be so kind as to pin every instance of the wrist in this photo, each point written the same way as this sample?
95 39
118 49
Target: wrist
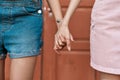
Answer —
65 23
58 21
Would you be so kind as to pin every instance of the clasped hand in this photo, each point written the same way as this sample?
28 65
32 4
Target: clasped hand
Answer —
63 37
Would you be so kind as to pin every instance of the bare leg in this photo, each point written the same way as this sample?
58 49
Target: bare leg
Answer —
105 76
22 68
2 68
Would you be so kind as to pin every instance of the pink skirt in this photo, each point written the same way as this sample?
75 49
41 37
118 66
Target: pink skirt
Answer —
105 36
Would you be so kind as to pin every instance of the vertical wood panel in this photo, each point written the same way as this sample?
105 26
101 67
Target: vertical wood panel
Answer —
74 64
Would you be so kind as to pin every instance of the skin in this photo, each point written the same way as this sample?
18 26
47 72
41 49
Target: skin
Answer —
105 76
22 68
18 69
63 35
56 9
55 6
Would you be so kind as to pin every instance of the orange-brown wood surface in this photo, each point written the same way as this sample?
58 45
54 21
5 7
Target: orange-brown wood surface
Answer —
73 65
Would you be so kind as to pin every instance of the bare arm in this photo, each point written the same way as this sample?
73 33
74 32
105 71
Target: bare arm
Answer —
56 9
72 6
63 34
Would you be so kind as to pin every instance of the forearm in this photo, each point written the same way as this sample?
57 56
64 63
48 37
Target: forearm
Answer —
72 6
56 9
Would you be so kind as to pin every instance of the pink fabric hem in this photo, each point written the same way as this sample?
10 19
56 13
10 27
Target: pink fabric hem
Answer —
105 69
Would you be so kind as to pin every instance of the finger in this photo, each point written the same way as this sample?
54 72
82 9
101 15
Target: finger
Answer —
57 51
57 46
56 43
71 37
62 38
68 44
60 43
58 39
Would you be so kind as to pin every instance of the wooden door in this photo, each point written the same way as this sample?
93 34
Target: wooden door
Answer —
73 65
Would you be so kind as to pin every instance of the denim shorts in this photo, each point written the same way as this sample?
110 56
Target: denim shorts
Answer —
21 25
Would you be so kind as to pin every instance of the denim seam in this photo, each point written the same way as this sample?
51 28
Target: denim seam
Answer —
28 52
14 55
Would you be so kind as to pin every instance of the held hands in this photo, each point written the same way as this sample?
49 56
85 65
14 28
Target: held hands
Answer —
63 37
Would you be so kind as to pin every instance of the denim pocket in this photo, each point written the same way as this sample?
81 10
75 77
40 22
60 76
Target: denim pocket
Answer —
30 10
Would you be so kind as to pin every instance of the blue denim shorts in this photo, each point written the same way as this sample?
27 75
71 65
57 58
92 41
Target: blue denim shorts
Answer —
21 25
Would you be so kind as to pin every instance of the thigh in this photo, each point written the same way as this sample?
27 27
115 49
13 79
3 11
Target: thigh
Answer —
105 76
22 68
